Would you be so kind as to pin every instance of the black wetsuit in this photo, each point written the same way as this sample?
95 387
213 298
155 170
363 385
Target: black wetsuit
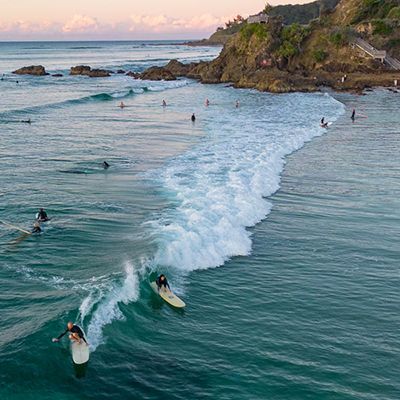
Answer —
74 329
163 283
193 118
353 115
42 215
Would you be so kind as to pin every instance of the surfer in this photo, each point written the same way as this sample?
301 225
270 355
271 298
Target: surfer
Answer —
26 121
207 102
193 118
36 228
76 333
323 123
162 281
164 103
42 215
106 165
237 104
121 105
353 115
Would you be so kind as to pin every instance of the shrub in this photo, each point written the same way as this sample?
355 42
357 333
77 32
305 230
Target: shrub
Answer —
394 13
380 27
287 50
320 55
292 36
374 9
248 30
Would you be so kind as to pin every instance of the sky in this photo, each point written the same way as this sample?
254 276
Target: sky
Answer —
120 19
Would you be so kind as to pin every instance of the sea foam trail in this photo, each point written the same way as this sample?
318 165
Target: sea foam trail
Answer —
220 186
106 310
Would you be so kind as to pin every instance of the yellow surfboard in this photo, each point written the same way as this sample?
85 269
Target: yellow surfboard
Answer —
168 296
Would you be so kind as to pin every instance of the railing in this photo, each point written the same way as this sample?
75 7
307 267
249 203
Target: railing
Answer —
393 62
377 54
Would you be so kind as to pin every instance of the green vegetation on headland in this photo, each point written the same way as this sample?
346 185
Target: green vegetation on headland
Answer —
281 57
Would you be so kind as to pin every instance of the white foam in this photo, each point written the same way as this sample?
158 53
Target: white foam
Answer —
107 309
221 185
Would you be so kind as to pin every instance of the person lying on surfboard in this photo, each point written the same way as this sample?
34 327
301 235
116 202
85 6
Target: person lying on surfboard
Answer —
36 228
162 281
42 215
76 333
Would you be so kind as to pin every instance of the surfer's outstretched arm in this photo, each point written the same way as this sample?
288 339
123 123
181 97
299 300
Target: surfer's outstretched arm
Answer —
59 337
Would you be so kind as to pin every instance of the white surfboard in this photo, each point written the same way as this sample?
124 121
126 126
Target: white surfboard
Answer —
168 296
80 352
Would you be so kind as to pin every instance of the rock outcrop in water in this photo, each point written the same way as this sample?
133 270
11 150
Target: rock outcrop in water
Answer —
37 70
157 74
88 71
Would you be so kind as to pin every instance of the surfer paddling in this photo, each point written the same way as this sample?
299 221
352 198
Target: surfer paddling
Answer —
36 228
76 334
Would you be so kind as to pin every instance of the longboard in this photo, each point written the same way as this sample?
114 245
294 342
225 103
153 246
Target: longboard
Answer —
80 352
168 296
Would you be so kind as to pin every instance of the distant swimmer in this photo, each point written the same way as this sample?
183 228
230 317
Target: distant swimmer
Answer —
237 104
162 281
164 103
106 165
36 228
353 115
193 118
76 333
323 123
42 215
121 105
207 102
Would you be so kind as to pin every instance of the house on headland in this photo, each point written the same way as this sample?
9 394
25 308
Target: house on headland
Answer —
260 18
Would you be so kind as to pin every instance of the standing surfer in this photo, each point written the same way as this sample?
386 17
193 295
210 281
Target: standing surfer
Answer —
353 115
76 333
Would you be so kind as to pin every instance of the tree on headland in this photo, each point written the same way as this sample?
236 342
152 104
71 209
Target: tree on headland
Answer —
236 21
267 8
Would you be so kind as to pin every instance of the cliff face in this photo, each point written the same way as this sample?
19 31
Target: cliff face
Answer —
281 58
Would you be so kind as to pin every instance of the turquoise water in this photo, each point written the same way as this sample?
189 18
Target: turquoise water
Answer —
291 293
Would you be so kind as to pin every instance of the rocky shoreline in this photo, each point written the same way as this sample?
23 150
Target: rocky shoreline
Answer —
268 79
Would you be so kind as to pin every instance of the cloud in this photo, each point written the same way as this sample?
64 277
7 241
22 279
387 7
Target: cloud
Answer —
162 23
134 26
80 23
23 26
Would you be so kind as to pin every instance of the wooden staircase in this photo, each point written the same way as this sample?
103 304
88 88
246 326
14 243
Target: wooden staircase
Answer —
377 54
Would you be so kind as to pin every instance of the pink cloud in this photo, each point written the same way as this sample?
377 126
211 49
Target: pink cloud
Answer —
136 26
80 23
162 23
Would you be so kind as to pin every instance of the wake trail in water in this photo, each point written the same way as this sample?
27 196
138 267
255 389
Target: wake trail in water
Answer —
104 306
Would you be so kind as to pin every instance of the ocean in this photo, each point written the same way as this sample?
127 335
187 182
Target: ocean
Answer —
280 236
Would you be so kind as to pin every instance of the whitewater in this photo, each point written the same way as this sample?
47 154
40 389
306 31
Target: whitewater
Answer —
218 190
